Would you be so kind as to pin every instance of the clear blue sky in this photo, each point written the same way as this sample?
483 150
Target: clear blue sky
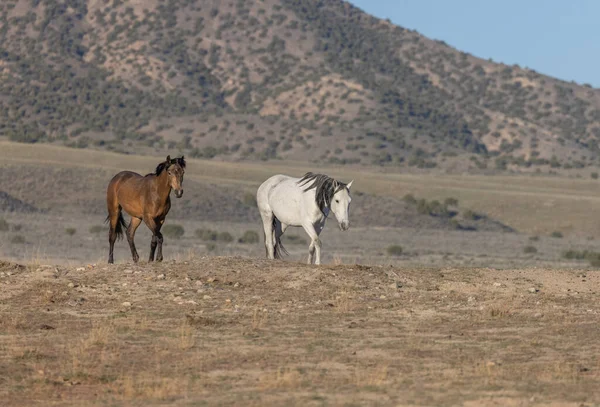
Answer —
560 38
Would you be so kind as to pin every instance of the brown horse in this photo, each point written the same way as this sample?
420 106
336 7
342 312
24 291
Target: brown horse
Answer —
144 198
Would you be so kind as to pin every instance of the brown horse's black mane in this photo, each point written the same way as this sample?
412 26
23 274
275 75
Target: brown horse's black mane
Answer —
160 167
326 187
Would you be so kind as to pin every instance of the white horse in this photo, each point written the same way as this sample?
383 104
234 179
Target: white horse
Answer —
285 201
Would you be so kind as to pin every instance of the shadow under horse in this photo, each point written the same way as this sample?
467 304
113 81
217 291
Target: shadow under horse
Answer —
144 198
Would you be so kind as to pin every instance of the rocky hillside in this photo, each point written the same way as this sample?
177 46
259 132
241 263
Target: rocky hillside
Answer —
272 79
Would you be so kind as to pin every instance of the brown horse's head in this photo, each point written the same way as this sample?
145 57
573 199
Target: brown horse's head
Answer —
175 169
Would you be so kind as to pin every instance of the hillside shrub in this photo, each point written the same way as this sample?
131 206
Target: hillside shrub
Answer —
173 231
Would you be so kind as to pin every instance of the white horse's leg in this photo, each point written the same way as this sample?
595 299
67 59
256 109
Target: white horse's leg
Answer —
315 244
267 219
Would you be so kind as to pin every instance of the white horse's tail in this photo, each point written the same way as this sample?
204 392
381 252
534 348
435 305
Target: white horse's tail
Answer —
278 247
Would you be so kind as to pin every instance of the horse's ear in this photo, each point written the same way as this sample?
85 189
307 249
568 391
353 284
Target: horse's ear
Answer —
168 160
349 184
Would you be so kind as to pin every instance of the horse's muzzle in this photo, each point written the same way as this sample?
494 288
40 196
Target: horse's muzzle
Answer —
345 225
179 193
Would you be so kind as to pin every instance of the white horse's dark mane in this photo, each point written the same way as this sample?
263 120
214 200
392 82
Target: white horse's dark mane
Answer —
326 187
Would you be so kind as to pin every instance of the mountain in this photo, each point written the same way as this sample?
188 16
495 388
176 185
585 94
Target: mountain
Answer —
302 79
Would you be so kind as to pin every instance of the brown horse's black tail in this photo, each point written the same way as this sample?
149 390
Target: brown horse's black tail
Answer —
120 224
279 249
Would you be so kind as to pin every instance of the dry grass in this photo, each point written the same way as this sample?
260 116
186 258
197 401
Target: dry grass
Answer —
289 334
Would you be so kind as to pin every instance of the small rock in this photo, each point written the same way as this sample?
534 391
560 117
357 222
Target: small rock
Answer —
71 285
538 315
533 290
80 269
236 285
128 271
227 300
497 284
160 277
382 297
192 302
207 297
126 304
471 299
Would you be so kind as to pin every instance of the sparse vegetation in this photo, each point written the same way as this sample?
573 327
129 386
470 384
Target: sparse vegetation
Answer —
18 239
97 229
70 231
470 215
225 237
246 308
173 231
81 99
294 239
4 226
249 199
556 234
529 249
249 237
206 234
394 250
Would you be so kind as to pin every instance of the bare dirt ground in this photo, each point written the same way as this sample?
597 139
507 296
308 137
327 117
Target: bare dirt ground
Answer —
232 331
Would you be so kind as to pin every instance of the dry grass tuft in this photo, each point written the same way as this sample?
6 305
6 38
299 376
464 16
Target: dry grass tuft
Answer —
282 378
371 377
146 386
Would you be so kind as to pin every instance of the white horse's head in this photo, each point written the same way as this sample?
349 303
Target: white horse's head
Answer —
340 206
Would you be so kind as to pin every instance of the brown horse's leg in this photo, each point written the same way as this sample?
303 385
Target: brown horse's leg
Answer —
113 222
159 256
133 225
152 226
112 237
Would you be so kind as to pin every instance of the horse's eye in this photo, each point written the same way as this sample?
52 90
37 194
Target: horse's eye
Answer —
337 201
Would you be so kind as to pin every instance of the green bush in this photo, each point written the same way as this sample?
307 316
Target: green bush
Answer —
534 238
557 234
96 229
450 202
225 237
529 249
18 239
249 237
249 199
394 250
470 215
3 225
594 175
206 234
410 199
70 231
173 231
